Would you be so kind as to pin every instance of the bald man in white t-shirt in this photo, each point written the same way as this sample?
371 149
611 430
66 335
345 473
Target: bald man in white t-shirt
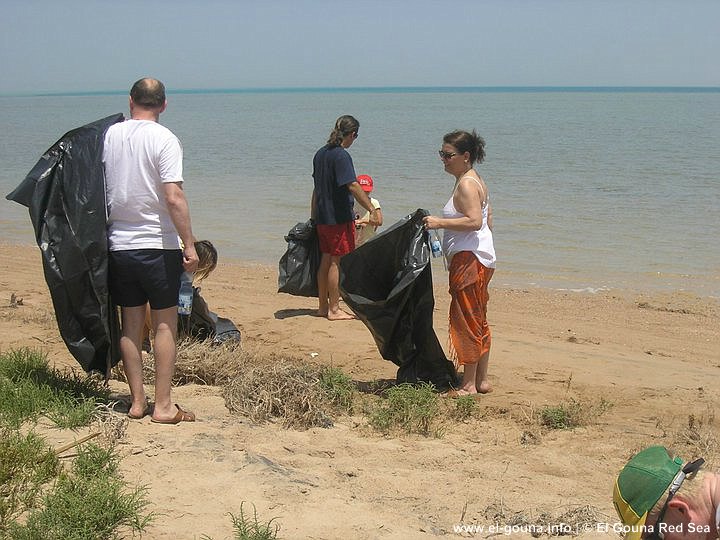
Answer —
150 240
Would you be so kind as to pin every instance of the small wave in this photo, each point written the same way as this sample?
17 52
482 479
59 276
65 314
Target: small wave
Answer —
591 290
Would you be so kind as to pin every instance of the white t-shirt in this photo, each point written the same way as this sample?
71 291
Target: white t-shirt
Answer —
365 233
139 156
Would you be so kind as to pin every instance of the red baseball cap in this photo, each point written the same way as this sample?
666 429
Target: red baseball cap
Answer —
366 182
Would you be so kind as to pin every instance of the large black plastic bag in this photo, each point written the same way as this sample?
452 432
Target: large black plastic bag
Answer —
387 282
204 324
65 194
299 264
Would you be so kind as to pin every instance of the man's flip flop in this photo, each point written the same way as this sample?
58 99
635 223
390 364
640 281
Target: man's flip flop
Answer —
181 416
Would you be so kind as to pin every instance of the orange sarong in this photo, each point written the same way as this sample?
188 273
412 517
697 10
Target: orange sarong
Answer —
469 330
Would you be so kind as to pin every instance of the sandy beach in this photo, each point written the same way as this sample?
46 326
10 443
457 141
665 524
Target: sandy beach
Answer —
654 360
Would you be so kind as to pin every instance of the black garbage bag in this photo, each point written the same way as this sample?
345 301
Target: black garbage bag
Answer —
387 282
299 264
65 194
204 324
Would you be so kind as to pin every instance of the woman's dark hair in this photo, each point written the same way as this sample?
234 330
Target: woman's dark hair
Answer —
467 142
148 93
207 259
344 126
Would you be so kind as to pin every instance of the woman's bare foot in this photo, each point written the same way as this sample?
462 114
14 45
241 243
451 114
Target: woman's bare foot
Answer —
459 392
485 387
340 315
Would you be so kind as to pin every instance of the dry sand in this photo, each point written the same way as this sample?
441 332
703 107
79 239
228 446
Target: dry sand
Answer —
655 358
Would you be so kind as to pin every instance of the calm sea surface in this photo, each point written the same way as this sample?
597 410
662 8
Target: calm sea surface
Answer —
590 190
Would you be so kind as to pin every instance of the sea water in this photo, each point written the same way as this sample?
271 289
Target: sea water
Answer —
591 189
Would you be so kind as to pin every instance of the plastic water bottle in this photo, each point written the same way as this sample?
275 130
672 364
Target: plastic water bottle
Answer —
435 245
185 298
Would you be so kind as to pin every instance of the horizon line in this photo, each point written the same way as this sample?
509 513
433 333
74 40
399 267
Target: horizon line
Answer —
382 89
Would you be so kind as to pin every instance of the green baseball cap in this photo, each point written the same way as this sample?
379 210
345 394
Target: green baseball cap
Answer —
640 484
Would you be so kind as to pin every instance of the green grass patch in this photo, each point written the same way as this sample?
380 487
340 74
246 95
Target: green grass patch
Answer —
408 408
251 528
30 388
246 527
563 416
88 502
339 387
39 498
464 408
572 413
26 465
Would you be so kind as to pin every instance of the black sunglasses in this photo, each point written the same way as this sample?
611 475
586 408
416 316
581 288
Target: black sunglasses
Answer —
446 155
674 487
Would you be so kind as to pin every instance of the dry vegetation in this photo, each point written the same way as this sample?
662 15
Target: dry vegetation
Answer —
562 521
277 388
693 435
259 386
198 362
39 316
299 395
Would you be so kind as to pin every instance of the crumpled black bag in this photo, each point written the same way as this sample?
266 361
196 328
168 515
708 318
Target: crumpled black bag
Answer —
387 282
204 324
65 194
299 264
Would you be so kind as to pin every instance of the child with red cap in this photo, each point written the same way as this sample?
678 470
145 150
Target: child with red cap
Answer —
363 230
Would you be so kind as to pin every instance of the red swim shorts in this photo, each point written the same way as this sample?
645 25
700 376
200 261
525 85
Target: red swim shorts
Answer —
337 240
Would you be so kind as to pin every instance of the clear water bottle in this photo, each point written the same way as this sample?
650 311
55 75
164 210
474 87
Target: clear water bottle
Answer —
185 298
435 245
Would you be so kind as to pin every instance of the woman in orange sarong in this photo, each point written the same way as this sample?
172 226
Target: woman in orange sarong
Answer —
469 249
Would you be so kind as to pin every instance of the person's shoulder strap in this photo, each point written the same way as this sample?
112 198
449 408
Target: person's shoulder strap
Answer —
479 183
473 179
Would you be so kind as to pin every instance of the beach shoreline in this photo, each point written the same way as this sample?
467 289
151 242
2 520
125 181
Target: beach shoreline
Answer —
652 357
225 289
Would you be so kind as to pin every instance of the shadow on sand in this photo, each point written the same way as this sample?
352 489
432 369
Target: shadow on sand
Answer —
287 313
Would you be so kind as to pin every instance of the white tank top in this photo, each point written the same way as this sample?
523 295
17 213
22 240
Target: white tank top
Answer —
139 157
479 242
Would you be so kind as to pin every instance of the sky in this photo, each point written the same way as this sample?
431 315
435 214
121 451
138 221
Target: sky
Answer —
105 45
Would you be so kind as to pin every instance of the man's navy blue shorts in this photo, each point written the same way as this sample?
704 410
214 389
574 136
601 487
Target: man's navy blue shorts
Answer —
141 275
